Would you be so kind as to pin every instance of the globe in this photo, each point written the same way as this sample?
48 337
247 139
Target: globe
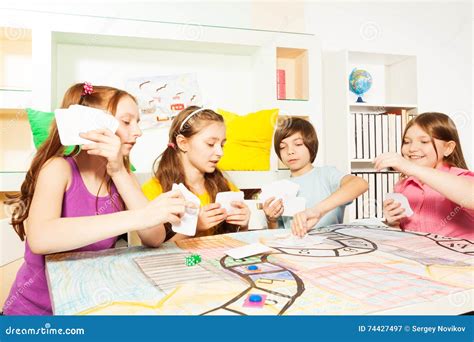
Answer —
360 82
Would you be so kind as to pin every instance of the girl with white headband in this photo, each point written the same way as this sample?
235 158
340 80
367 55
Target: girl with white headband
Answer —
196 140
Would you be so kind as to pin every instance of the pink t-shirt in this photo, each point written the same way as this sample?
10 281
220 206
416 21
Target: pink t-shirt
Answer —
434 213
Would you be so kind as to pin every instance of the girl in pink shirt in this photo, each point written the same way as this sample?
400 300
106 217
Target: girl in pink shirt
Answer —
436 181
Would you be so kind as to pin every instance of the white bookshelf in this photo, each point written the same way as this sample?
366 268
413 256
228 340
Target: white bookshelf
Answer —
394 90
236 67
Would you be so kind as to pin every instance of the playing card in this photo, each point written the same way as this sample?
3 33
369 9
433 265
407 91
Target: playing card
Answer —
290 240
292 206
81 119
279 189
188 223
400 198
285 190
227 197
248 250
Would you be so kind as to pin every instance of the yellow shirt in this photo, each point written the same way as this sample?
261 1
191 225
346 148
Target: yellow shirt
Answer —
152 189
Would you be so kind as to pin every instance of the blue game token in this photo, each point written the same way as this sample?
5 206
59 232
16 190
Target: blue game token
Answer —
255 298
252 268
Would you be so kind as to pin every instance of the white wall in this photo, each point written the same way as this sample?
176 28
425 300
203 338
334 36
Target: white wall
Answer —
439 33
113 65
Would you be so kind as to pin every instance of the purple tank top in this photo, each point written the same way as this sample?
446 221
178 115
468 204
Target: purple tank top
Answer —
29 294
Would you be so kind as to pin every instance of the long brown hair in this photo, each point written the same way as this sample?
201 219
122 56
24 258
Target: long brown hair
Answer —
168 167
440 126
103 97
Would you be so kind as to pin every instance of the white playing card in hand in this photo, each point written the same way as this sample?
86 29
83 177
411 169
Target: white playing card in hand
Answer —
188 223
284 190
292 206
279 189
227 197
81 119
403 200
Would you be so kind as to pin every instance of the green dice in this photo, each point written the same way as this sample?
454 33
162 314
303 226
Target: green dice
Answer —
193 259
196 257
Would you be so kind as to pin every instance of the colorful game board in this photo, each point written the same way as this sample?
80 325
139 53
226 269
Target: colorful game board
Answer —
357 269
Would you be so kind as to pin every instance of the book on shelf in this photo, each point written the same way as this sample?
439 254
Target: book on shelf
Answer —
281 84
366 134
353 135
378 132
392 145
372 136
370 204
398 119
359 136
379 194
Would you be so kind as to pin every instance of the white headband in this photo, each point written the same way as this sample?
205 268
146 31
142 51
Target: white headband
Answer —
189 117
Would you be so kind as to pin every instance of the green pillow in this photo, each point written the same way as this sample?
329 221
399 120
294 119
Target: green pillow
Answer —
40 123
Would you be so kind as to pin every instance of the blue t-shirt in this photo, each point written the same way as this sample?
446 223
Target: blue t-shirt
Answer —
315 186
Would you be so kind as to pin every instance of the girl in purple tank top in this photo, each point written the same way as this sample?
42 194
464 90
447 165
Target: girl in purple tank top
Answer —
83 201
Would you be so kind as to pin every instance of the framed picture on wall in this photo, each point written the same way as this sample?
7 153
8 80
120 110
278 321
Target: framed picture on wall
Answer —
161 98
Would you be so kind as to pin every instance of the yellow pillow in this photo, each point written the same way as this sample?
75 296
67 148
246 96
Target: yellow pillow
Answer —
249 140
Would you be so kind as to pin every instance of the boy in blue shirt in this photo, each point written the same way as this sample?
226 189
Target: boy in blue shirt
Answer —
327 190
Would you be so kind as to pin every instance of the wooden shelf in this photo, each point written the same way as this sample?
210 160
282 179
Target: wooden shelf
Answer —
16 144
15 34
15 59
382 107
13 89
15 67
292 74
13 111
362 161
